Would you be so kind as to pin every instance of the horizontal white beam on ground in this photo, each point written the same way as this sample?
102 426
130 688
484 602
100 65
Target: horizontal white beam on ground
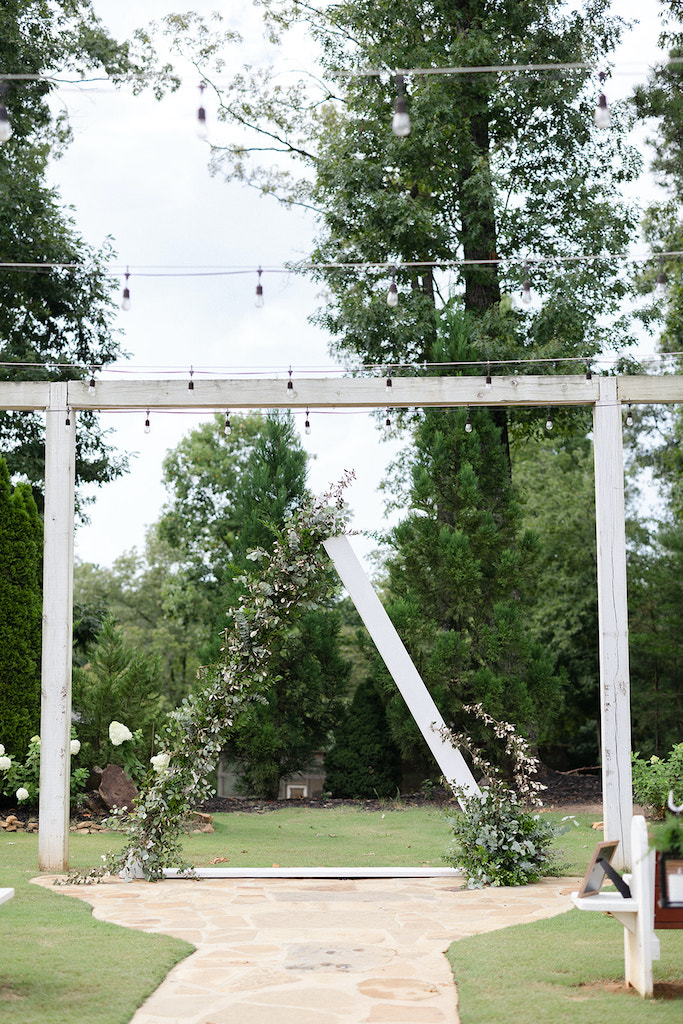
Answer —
334 393
6 894
351 872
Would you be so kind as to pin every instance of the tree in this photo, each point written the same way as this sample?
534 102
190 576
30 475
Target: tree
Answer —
119 683
364 761
21 536
55 319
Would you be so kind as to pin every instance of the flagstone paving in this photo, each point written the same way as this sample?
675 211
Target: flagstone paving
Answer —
312 951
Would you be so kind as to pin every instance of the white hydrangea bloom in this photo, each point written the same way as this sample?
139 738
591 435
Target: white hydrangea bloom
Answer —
22 794
5 763
119 733
74 746
2 750
160 762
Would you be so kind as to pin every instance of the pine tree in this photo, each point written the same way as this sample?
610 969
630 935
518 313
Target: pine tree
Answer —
364 761
20 615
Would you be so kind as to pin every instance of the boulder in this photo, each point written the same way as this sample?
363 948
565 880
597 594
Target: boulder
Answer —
116 789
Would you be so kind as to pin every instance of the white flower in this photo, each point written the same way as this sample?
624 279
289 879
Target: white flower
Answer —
22 794
2 750
160 762
74 746
36 740
118 733
5 763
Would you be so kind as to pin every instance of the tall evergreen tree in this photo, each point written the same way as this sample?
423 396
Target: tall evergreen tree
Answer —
21 534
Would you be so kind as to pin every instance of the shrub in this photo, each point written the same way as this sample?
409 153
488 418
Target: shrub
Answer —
364 761
20 780
654 779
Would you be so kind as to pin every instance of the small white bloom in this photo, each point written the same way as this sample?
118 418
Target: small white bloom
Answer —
119 733
35 739
160 762
74 746
5 763
22 794
2 750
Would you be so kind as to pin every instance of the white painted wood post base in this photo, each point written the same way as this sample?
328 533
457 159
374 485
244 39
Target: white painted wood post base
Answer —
637 915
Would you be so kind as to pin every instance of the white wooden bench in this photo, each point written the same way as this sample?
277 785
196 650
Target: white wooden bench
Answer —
637 914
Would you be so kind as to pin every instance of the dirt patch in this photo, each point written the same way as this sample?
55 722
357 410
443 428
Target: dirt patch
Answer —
661 989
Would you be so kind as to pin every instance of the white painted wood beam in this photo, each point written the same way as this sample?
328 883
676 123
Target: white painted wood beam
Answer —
397 660
58 557
340 393
24 396
661 389
617 791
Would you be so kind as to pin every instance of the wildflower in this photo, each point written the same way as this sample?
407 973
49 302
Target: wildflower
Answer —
75 746
160 762
35 739
22 794
5 763
119 733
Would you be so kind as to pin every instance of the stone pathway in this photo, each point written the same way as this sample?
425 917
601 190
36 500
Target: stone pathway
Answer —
312 951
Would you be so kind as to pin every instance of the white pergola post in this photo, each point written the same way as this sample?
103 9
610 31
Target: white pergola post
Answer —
617 791
58 558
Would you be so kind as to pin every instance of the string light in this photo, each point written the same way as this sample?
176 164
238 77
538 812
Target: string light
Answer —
67 421
526 287
258 301
468 422
190 383
589 372
387 422
148 426
389 385
392 294
227 428
601 116
307 424
629 416
660 284
290 385
400 122
125 298
202 129
549 421
487 384
92 382
5 126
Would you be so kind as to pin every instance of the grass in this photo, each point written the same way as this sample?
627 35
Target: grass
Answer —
57 963
567 969
61 965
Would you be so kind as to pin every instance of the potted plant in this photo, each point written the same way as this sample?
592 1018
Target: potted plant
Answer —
667 840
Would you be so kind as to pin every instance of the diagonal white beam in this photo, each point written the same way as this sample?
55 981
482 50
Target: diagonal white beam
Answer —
396 658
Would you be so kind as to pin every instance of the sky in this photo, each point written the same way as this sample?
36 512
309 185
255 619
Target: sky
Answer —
136 175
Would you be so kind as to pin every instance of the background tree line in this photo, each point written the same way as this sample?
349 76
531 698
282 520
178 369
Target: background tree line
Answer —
490 574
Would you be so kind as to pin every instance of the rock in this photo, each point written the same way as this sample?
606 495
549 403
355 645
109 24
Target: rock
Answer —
116 789
202 818
93 802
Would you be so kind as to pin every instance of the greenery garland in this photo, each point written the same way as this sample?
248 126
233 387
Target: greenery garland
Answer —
289 582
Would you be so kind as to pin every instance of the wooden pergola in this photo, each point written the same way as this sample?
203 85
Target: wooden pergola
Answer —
606 396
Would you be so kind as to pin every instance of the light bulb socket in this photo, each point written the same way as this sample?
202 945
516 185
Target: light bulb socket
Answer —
468 423
227 428
400 122
389 384
148 425
629 416
307 424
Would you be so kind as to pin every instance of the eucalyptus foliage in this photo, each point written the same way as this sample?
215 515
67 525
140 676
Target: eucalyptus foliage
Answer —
294 580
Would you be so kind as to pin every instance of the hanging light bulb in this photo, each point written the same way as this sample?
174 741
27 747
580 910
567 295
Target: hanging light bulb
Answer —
202 130
290 385
660 283
601 116
468 422
258 301
389 385
629 416
67 421
92 382
190 383
387 422
147 423
549 421
488 377
125 298
227 428
526 287
589 372
392 294
400 122
5 126
307 424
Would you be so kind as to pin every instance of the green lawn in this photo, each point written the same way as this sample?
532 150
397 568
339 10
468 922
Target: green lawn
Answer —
57 964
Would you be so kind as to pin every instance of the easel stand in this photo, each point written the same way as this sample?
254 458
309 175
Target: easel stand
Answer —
636 913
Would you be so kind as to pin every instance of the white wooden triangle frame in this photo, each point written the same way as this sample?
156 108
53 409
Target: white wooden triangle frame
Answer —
605 395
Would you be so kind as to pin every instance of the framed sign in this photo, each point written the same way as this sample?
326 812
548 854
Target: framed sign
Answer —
600 867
